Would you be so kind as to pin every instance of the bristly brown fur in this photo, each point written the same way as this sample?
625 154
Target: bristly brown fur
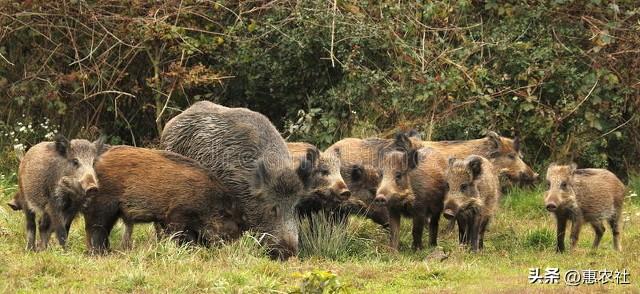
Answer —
144 185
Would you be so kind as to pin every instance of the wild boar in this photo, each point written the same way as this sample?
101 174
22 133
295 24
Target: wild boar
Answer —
246 152
54 181
584 195
143 185
326 180
413 185
473 191
504 153
363 182
366 153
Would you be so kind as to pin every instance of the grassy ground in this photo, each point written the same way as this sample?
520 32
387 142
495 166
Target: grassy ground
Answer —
357 260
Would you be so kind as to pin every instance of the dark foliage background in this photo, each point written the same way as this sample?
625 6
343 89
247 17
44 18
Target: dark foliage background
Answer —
563 74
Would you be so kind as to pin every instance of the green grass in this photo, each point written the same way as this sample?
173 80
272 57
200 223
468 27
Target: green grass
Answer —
353 258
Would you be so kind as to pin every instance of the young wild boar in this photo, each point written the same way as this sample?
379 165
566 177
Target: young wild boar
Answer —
367 153
584 195
327 188
143 185
363 182
504 154
472 197
413 185
53 181
246 152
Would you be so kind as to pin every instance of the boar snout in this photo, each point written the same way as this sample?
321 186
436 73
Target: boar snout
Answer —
380 199
343 192
551 206
89 183
449 214
285 248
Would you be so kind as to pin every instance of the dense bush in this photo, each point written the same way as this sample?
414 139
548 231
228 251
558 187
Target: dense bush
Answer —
563 74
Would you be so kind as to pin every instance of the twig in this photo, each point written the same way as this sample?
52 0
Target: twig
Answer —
109 92
5 59
579 104
333 33
616 128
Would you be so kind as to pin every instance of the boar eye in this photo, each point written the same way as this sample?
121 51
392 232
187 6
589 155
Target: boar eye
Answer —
324 172
512 156
464 187
563 185
398 176
446 186
75 162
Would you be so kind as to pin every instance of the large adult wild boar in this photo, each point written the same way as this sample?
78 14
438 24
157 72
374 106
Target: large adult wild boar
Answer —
413 185
504 153
142 185
54 179
584 195
246 152
473 191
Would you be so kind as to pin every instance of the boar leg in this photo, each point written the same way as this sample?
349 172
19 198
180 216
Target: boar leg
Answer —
97 227
61 231
462 233
394 228
475 233
161 231
418 229
598 227
30 218
614 222
483 229
575 232
126 236
433 229
44 226
561 229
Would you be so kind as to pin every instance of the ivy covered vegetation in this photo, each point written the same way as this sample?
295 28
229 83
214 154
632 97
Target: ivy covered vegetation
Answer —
563 74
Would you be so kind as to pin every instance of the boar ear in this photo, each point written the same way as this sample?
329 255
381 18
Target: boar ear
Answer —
494 138
62 144
516 143
357 172
304 171
312 156
337 152
413 158
452 160
475 165
572 168
402 142
101 147
261 173
414 133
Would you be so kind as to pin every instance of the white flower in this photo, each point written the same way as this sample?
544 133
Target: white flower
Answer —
49 136
18 147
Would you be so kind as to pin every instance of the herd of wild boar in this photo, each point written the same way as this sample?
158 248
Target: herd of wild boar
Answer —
224 171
